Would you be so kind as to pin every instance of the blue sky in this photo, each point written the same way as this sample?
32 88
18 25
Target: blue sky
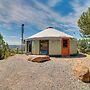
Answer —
38 15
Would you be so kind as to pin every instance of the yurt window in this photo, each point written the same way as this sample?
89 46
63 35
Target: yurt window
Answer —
44 45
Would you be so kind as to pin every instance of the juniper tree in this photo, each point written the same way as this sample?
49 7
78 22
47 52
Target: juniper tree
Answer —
84 23
4 49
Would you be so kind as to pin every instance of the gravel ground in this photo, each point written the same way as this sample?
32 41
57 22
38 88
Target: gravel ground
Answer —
16 73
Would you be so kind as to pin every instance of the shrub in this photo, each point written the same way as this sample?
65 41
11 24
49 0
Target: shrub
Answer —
82 44
4 49
88 51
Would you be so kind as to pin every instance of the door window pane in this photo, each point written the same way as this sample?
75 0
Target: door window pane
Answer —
65 43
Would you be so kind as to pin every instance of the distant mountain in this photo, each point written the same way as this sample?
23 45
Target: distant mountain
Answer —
14 46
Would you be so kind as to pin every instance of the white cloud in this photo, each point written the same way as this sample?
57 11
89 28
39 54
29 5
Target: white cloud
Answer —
40 15
53 3
12 37
12 40
79 9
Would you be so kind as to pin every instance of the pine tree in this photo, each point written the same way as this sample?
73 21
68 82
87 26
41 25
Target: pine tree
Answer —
84 23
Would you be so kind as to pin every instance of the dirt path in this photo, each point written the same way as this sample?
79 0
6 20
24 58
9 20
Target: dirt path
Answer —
16 73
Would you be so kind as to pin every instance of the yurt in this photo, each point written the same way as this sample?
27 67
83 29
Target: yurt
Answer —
51 42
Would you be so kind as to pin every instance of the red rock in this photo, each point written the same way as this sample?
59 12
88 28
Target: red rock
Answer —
39 58
82 72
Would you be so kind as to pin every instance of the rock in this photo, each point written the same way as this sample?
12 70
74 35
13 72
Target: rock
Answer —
12 54
82 72
29 59
39 58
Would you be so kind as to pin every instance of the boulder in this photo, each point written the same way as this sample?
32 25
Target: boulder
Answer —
39 58
12 54
82 72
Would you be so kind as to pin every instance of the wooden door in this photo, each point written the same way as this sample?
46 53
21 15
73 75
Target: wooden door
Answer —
65 47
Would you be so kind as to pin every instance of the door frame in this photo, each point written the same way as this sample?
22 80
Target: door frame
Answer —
68 39
47 47
28 46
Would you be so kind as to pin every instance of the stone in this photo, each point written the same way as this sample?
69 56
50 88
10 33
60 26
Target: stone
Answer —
12 54
39 58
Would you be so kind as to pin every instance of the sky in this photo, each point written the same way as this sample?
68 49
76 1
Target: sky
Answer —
37 15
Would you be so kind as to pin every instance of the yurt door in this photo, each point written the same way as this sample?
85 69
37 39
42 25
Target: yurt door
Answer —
65 47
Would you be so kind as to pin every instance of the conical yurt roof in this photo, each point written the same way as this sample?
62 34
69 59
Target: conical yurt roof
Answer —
50 33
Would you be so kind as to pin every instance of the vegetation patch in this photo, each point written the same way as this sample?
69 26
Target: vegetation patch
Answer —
84 24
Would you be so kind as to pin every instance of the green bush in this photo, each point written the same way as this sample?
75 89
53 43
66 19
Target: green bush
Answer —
4 48
88 50
1 54
88 53
82 45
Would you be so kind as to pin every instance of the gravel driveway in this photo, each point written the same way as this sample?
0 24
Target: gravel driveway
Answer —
16 73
